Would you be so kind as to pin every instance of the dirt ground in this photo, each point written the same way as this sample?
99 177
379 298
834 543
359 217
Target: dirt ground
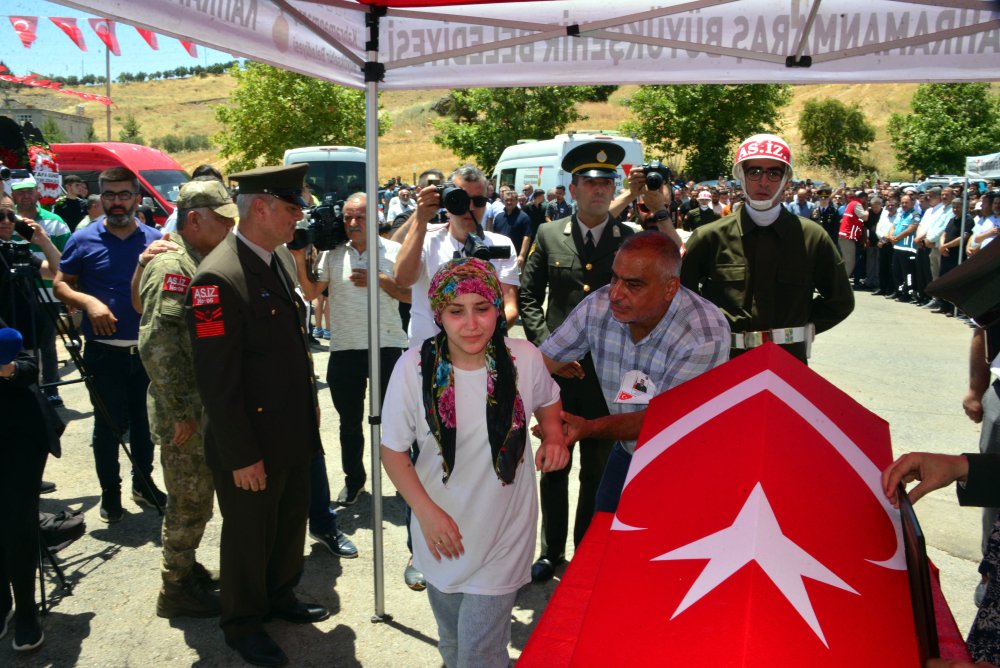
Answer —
109 618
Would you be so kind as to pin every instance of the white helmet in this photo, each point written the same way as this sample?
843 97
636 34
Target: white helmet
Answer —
766 146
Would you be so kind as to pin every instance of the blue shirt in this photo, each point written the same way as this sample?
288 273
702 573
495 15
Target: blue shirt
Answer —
804 210
903 220
515 226
692 337
103 265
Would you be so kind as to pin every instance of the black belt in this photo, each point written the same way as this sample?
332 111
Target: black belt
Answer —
129 350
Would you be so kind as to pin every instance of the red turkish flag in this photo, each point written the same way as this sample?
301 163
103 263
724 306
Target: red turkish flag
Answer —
190 47
752 531
72 30
25 27
105 30
150 38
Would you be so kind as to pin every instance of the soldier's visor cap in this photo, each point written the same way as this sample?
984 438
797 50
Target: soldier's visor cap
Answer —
284 182
597 159
207 194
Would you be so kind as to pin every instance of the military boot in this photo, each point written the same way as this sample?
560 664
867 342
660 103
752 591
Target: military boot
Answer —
187 598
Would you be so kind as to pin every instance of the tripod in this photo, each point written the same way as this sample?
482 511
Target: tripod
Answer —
45 554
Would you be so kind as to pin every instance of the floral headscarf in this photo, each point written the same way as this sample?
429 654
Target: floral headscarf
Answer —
505 419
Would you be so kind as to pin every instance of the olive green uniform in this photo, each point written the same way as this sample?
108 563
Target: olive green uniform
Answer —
787 274
165 348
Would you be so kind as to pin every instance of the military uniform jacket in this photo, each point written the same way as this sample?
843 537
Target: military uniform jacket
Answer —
164 342
556 262
719 264
252 361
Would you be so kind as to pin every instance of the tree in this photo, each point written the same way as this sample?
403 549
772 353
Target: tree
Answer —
272 110
835 135
482 122
131 133
947 123
53 133
704 120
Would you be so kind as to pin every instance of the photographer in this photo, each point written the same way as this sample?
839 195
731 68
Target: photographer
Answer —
29 434
423 253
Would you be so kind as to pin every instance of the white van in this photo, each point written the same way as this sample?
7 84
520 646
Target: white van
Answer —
332 169
540 162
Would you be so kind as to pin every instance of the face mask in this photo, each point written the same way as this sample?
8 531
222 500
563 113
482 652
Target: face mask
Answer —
703 207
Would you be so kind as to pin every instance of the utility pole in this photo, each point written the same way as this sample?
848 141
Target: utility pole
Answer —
107 86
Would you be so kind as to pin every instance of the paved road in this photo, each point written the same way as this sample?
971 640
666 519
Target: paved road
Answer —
905 364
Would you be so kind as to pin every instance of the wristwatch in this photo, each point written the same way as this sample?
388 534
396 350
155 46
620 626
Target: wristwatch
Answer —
662 214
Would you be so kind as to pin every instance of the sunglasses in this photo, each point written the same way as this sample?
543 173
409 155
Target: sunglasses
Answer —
479 201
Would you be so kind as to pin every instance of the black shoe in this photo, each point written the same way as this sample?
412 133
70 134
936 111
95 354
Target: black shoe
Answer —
258 649
934 304
55 401
879 293
338 543
349 497
904 298
301 613
413 578
111 506
27 633
145 498
46 487
209 580
543 570
891 295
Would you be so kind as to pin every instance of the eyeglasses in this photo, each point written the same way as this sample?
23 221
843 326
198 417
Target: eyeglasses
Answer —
122 196
479 201
773 173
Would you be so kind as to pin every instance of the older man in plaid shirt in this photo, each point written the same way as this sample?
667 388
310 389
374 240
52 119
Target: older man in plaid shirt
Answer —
647 334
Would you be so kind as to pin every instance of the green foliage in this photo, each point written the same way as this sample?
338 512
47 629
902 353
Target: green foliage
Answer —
481 122
947 123
91 134
835 135
53 133
595 93
705 121
131 133
272 110
176 144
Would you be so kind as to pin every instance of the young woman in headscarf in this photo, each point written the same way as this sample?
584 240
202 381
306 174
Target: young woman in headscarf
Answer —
465 396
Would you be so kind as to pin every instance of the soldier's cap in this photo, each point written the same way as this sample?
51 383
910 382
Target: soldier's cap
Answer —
21 184
824 192
207 194
597 159
284 182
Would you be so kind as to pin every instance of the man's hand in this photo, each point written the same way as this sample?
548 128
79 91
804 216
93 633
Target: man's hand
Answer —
945 251
973 406
184 430
101 318
428 203
932 470
251 478
158 246
570 370
359 278
575 427
636 182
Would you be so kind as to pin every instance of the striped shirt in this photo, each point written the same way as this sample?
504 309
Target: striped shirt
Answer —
692 337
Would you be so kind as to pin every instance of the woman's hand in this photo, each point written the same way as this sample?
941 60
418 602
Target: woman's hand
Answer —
552 455
441 533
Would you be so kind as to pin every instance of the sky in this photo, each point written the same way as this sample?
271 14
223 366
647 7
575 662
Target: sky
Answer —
53 53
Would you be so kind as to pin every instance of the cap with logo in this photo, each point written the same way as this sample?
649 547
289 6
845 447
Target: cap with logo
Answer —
207 194
704 194
284 182
597 159
21 184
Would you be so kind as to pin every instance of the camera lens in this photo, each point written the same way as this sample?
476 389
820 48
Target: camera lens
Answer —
654 180
455 200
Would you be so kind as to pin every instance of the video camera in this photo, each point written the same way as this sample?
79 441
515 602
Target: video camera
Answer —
16 254
326 226
656 174
6 173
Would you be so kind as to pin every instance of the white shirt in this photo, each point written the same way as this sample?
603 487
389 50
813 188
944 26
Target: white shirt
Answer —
497 522
397 207
596 230
349 303
439 247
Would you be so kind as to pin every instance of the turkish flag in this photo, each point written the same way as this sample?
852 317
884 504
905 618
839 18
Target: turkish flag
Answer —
752 531
72 30
105 30
150 38
25 27
190 47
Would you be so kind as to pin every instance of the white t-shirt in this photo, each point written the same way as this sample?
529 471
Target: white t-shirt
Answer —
497 521
439 247
349 303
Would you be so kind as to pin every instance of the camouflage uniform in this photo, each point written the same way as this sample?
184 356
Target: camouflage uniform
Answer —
165 348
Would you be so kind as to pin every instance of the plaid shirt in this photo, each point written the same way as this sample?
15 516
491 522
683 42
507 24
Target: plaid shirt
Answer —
692 337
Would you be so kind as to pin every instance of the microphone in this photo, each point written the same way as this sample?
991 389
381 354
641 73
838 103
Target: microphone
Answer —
10 344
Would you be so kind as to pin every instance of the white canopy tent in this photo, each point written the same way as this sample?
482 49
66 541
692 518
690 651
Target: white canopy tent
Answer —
408 44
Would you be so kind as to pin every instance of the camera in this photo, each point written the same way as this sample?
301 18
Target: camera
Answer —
476 247
326 226
454 199
656 174
4 172
17 254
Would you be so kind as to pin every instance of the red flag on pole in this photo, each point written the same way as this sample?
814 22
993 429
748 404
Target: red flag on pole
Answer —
25 27
72 30
105 30
190 47
150 38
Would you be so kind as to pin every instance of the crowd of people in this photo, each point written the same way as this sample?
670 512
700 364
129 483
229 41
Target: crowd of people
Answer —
620 294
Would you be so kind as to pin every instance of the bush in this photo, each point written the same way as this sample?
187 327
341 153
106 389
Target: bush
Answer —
175 144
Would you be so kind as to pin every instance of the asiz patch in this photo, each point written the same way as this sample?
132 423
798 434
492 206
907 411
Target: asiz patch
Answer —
176 283
204 295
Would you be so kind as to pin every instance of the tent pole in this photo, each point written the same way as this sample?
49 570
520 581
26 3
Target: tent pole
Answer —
372 77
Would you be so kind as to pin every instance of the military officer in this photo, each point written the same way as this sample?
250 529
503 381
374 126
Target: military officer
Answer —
571 258
255 376
206 213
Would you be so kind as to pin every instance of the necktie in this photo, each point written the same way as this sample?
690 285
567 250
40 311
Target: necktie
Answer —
276 268
589 245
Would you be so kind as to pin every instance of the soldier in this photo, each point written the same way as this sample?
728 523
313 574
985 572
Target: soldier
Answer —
205 214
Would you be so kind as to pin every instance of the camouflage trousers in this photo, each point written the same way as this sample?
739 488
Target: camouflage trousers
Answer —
190 496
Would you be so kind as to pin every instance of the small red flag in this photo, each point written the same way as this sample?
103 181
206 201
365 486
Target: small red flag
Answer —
190 47
150 38
25 27
72 30
105 30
